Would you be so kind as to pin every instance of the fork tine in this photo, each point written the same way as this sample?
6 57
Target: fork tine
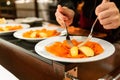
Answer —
67 36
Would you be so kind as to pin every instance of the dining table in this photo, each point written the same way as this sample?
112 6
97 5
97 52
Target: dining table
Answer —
20 58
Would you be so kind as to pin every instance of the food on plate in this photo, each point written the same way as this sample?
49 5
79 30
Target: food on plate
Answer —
74 51
10 28
86 50
63 49
40 33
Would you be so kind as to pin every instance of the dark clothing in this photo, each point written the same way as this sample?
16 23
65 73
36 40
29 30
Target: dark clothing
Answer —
86 18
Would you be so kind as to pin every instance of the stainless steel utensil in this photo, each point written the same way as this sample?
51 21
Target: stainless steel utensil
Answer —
68 36
90 34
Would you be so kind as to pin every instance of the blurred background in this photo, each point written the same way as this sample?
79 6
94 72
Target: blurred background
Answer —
12 9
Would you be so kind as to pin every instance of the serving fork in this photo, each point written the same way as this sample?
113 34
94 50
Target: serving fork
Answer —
90 34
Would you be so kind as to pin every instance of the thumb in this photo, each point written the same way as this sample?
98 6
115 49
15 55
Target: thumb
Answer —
59 8
104 1
62 10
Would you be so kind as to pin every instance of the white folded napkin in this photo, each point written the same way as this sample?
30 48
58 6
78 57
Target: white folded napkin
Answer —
6 75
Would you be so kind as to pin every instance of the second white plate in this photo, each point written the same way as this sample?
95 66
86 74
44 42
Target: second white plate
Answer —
19 34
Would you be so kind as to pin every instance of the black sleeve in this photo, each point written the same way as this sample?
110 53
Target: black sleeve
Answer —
72 4
115 33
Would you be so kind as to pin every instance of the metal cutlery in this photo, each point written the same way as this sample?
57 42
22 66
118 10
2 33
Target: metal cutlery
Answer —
68 36
90 34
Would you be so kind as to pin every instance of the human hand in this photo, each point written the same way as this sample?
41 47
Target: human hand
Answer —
108 15
64 14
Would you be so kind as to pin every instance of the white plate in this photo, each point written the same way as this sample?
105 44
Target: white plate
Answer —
31 19
19 34
10 32
40 49
28 20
